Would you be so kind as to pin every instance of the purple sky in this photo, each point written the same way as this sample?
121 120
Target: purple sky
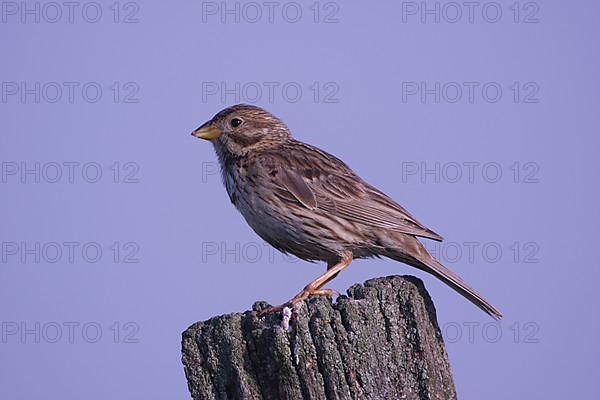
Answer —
117 233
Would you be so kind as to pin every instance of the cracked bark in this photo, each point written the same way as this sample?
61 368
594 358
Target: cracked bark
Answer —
382 341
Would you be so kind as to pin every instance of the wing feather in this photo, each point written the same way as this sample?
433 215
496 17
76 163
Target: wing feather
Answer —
320 181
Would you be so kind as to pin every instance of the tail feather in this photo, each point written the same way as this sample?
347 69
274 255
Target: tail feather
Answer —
427 263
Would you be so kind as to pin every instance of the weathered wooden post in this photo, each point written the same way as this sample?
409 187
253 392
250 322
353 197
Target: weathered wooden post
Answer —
382 341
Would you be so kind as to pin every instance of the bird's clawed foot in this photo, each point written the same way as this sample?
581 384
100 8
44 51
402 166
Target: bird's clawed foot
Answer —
325 293
303 295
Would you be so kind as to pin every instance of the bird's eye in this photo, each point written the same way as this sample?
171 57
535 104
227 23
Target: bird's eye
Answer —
236 122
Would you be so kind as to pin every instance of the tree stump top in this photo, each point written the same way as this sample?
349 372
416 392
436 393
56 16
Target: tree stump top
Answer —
381 341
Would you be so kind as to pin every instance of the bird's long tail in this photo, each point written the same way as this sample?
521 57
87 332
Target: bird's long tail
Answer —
419 257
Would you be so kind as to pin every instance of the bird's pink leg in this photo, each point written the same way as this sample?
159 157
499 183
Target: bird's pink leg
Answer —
315 287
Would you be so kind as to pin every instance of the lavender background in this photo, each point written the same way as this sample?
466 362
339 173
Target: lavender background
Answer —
178 217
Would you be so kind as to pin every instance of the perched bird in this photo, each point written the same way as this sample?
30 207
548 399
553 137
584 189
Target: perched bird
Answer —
304 201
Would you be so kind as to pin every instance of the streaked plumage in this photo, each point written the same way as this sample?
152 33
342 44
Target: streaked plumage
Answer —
309 203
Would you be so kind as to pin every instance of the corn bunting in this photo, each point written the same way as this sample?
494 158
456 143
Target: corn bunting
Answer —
304 201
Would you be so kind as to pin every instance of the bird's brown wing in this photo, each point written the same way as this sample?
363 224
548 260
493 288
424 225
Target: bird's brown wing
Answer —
320 181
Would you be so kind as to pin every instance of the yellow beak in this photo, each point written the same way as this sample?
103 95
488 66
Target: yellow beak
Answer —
207 132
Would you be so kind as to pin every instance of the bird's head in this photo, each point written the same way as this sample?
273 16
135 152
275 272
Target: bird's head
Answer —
239 128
